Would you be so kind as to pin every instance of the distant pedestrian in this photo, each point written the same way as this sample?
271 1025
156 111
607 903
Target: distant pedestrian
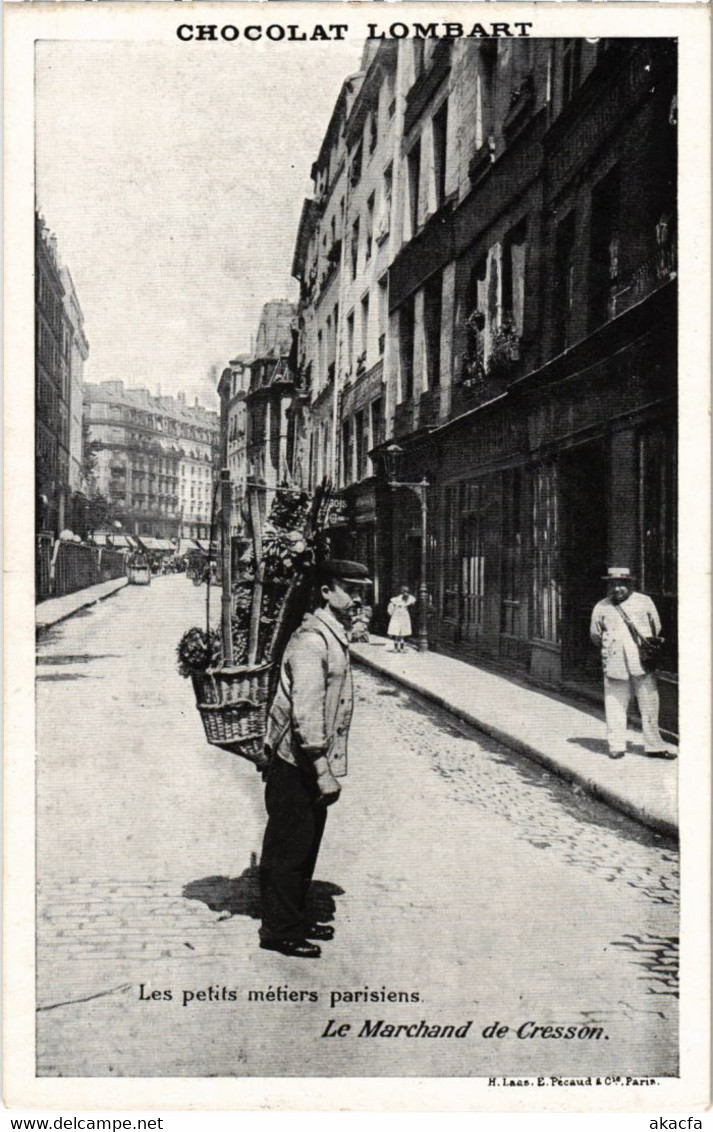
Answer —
361 619
624 626
400 618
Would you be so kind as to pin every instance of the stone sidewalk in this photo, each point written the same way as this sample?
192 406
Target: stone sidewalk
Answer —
566 738
57 609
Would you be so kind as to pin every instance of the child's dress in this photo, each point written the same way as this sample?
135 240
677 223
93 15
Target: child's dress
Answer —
400 623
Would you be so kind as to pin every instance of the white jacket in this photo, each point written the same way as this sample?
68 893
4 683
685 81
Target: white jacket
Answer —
608 630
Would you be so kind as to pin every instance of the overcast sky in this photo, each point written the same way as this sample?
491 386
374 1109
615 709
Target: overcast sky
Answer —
173 178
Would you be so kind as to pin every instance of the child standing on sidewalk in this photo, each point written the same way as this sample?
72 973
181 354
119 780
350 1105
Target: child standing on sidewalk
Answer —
400 618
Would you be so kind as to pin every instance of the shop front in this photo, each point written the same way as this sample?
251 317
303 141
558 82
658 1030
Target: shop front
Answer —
538 493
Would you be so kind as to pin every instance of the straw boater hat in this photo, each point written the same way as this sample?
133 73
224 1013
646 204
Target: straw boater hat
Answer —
618 574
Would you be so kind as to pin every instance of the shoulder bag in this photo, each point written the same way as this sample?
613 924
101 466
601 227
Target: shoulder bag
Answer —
649 647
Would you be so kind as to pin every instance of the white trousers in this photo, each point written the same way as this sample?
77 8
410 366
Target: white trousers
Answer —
617 696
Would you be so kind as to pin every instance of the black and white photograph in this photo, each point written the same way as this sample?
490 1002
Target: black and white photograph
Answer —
360 494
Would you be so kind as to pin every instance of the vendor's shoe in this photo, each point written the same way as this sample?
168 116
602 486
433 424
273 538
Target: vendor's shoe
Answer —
661 754
296 948
617 754
319 931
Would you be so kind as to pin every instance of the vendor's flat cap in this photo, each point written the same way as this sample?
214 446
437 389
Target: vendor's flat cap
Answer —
344 571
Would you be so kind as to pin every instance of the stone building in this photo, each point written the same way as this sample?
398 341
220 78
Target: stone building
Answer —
533 303
516 330
233 389
61 348
156 459
323 246
270 393
78 354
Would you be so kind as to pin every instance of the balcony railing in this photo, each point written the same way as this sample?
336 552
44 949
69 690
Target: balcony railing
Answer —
646 278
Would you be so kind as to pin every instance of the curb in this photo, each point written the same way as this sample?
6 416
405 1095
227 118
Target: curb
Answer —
603 793
42 626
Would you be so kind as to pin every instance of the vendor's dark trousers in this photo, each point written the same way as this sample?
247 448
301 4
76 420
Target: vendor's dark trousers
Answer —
295 824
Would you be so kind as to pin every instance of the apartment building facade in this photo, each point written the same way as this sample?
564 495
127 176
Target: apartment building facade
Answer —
233 389
156 459
533 304
61 349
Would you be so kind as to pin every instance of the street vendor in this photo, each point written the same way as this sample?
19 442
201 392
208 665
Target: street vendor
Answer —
306 739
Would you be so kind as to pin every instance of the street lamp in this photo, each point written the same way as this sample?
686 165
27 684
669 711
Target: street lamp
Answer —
392 461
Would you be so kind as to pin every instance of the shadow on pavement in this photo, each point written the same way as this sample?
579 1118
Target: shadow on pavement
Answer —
240 896
82 658
65 676
597 746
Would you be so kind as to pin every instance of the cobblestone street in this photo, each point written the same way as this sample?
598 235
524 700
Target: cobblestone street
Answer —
474 882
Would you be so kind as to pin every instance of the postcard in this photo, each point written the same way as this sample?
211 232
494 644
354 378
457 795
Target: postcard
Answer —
357 618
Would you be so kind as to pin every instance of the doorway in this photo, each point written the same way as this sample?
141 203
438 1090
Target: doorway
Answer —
583 487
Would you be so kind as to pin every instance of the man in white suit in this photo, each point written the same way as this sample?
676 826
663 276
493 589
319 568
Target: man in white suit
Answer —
624 674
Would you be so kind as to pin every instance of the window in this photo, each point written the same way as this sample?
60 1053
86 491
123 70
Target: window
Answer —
414 177
350 342
571 68
384 222
365 325
432 306
440 134
377 423
383 295
355 169
604 249
418 46
513 281
362 444
564 280
369 226
374 129
547 594
355 247
406 347
347 452
335 333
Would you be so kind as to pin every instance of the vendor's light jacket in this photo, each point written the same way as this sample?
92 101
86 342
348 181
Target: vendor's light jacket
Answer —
620 654
313 705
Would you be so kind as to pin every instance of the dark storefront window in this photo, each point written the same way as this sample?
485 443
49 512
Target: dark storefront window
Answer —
547 593
657 527
511 554
473 559
450 560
